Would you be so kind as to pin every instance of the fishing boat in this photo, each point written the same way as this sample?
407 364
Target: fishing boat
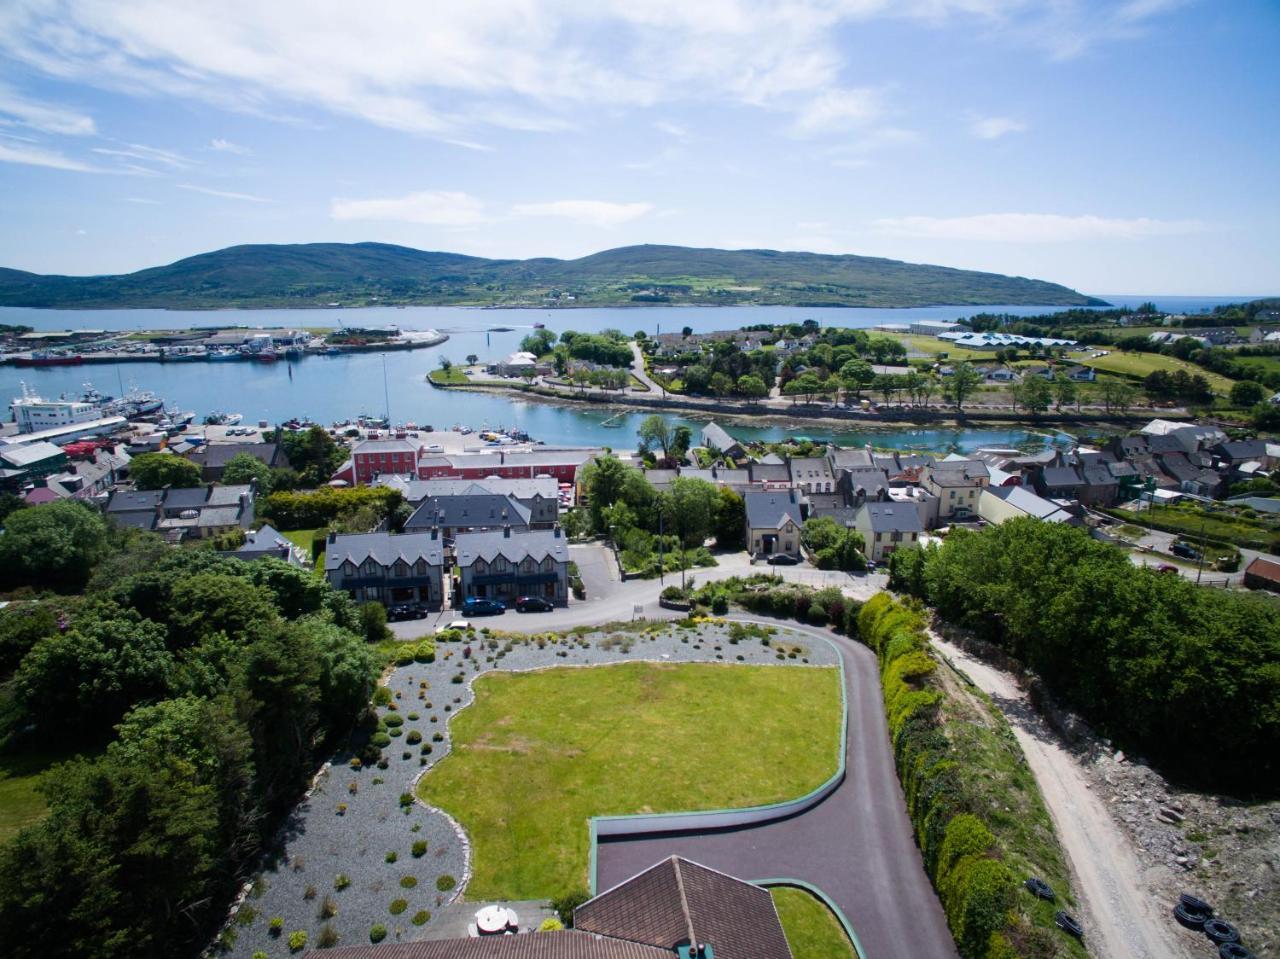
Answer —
293 353
266 356
332 351
219 418
221 356
49 358
539 326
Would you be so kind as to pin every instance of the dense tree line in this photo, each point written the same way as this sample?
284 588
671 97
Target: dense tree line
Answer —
608 348
362 506
1187 675
199 692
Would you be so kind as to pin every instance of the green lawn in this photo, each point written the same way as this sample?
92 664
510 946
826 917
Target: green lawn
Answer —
452 376
20 804
1140 364
931 345
539 753
812 931
1259 366
301 537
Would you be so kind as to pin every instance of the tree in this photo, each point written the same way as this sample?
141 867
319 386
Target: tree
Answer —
373 622
158 470
244 468
313 454
655 431
1118 395
539 342
696 379
445 363
832 545
689 509
1247 393
752 387
1033 394
681 440
56 545
912 383
806 385
962 383
473 359
10 503
721 384
888 385
857 375
730 519
1064 391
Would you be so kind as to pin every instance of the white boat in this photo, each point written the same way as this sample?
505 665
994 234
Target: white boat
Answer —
233 419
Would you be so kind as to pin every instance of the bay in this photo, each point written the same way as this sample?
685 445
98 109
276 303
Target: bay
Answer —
334 388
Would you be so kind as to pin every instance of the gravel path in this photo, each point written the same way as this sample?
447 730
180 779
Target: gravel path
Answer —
319 844
1121 920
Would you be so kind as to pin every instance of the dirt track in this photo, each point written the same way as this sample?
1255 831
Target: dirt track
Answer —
1122 919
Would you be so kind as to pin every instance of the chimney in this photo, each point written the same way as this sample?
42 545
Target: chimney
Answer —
435 533
555 530
333 537
859 495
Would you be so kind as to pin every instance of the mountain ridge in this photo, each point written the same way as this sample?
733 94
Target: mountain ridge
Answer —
319 274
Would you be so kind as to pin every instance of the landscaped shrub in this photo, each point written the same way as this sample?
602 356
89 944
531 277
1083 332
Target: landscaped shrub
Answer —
426 652
720 604
391 720
404 656
406 799
551 924
408 882
297 940
276 926
420 848
565 904
259 954
380 740
377 933
392 856
309 893
413 738
328 908
446 882
421 917
397 906
382 696
328 937
395 731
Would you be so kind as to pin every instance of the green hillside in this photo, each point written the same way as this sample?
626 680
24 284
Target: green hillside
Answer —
316 274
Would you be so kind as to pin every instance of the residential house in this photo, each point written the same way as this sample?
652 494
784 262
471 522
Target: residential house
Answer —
773 522
387 567
1044 372
1235 452
213 458
770 476
83 479
505 564
1001 374
858 485
200 512
266 543
715 437
957 484
1059 481
887 526
738 480
1262 574
517 364
1191 477
466 512
812 474
1081 374
540 494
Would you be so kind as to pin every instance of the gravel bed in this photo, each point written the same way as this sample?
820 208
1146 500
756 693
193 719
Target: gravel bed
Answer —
319 843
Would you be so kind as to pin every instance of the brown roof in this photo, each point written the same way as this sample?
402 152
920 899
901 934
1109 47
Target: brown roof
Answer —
677 902
568 944
1263 569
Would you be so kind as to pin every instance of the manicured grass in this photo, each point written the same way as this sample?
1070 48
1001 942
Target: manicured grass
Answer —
20 804
452 376
931 345
812 931
1138 365
301 537
539 753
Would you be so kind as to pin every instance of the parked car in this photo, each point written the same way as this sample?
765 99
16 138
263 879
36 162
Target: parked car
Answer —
533 604
783 559
475 606
456 625
1166 568
1185 550
405 611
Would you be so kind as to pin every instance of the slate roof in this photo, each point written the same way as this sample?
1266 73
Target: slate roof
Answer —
1098 476
567 944
958 472
1242 449
480 509
868 480
218 454
128 501
1164 443
535 543
849 459
1179 467
228 495
890 517
219 516
385 446
1057 477
263 541
811 469
844 515
385 548
1024 499
713 434
677 902
771 510
136 519
192 498
770 473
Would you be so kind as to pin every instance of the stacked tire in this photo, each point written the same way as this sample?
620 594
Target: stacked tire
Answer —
1195 913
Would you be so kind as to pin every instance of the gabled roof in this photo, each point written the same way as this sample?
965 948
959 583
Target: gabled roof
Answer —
678 902
219 454
29 453
384 548
713 434
1028 502
1264 569
385 446
810 469
1098 476
1059 476
843 458
479 509
130 501
890 517
958 472
770 473
536 544
869 481
566 944
772 510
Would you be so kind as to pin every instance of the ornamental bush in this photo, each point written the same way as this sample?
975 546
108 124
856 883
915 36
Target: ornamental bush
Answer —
377 933
297 940
391 720
397 906
380 740
445 883
419 848
413 738
421 917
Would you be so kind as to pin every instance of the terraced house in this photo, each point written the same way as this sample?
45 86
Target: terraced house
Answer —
386 567
505 564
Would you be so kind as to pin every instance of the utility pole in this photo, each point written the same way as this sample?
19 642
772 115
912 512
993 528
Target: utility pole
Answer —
662 569
1200 563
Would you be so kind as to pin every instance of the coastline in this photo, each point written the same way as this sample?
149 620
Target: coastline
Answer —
819 415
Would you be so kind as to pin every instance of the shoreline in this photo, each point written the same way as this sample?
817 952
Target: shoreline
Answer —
852 420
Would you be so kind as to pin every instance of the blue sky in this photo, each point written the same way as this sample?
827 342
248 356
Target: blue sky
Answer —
1121 147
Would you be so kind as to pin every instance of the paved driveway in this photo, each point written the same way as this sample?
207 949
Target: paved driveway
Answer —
857 845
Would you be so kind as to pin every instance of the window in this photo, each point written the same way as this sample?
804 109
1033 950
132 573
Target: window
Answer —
401 568
480 567
370 567
527 565
348 568
420 567
501 564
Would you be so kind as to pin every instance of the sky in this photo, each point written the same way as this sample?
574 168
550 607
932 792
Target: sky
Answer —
1117 147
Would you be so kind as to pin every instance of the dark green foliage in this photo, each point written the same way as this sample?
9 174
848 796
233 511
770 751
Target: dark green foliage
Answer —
445 883
419 848
313 273
310 510
54 546
833 545
220 706
158 470
313 457
377 933
1165 667
21 626
244 468
373 622
565 904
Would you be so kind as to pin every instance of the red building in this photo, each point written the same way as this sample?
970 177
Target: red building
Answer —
376 457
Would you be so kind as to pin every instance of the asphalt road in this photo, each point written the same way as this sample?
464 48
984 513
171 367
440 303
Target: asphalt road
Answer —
857 845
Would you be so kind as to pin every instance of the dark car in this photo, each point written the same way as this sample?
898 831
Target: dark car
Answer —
783 559
405 611
1185 550
533 604
483 607
1166 568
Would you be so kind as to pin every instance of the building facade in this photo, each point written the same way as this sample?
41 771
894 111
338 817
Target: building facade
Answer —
387 567
506 564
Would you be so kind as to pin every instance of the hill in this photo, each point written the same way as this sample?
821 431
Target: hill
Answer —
355 274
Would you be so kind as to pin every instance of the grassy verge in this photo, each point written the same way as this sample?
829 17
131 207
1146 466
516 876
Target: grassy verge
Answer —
538 754
450 377
1138 365
20 804
1192 523
302 538
812 931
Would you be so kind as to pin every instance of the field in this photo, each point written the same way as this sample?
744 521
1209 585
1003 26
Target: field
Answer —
20 804
1138 365
928 346
812 931
453 376
1260 365
538 754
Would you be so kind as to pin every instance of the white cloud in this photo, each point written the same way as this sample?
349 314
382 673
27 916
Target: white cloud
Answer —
45 117
1035 227
857 152
146 154
429 207
38 156
835 110
141 199
586 212
226 146
992 128
224 194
